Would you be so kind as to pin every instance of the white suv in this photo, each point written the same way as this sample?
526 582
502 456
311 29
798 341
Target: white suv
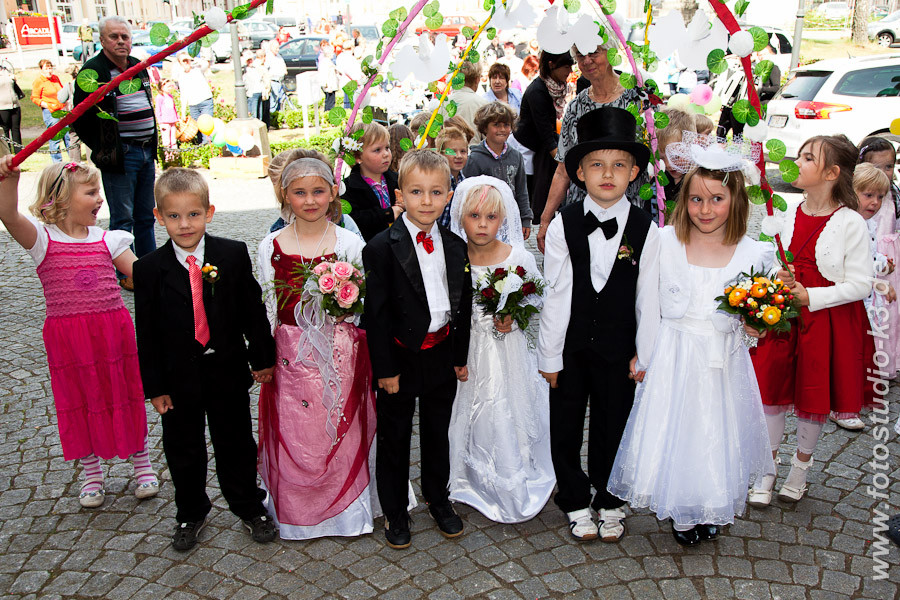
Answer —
854 96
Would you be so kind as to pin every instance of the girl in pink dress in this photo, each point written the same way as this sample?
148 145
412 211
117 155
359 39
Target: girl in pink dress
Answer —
166 113
88 334
317 418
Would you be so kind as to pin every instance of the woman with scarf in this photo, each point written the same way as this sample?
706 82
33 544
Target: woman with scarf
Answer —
543 105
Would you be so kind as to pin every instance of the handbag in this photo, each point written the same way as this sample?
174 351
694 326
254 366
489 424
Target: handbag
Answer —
186 129
19 93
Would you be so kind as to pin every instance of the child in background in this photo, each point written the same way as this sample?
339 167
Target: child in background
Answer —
453 145
417 122
673 133
881 153
88 332
696 437
398 131
819 367
457 122
314 439
371 186
167 115
500 428
496 158
704 125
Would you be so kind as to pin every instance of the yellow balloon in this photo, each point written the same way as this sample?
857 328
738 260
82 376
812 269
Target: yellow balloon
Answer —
206 124
895 126
232 135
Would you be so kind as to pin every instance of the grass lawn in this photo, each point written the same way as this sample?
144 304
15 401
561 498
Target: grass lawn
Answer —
840 48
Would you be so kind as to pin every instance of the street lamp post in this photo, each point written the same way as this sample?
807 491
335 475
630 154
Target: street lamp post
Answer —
240 93
798 34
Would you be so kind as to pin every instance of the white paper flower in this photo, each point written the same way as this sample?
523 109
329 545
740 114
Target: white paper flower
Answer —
757 133
516 15
215 18
771 226
425 63
741 43
693 43
557 35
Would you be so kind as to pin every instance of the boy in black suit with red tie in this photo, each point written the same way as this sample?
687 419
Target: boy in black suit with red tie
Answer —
196 301
417 316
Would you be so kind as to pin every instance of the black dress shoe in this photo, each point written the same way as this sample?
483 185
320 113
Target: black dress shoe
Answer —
894 529
447 520
262 528
686 538
186 534
397 533
707 532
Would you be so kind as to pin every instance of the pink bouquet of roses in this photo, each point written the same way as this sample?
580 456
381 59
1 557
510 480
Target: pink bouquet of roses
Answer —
337 285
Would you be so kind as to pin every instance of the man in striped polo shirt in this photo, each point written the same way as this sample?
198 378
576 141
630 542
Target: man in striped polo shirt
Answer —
123 150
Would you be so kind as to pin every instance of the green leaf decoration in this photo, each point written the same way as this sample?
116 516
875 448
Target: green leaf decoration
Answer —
468 32
435 127
789 171
356 135
763 69
627 80
646 191
209 39
398 14
345 206
715 60
488 4
241 12
740 7
451 108
491 33
429 10
406 144
608 6
88 80
789 256
753 118
777 150
349 87
652 85
337 115
778 202
130 86
434 22
756 195
741 110
661 120
670 206
378 79
60 134
458 81
450 152
572 5
158 34
421 131
270 6
59 114
105 115
368 114
433 88
765 238
473 56
612 55
760 38
194 49
663 179
634 109
389 28
172 39
349 159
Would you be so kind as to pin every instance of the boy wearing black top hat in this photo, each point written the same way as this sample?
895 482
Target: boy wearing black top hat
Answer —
600 317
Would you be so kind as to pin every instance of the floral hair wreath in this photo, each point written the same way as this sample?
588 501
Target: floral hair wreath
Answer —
716 154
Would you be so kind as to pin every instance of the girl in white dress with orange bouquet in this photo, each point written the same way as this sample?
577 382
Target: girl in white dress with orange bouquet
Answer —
500 426
696 436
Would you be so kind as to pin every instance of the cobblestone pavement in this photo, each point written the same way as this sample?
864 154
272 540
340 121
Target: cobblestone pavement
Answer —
820 548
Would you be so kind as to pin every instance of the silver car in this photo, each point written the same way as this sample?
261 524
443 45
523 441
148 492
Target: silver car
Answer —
885 31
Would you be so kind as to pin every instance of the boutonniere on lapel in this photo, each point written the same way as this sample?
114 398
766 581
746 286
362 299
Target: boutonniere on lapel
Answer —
626 251
210 274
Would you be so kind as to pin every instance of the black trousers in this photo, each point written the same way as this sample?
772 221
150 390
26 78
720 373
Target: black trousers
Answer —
226 407
429 376
587 377
11 120
727 123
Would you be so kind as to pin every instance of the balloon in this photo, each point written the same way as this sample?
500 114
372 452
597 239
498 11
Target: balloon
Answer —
232 136
678 101
218 125
713 106
246 142
205 124
701 94
895 126
219 139
236 150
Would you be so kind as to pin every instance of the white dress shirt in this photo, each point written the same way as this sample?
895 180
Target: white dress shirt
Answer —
558 273
434 275
181 254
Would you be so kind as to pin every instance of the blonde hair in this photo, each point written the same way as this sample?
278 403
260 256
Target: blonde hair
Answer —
494 112
178 180
679 122
421 120
55 186
283 159
426 161
869 178
449 134
372 134
704 124
471 72
738 212
459 123
484 197
398 131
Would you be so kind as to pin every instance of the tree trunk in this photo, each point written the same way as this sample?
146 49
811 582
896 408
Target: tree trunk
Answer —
859 20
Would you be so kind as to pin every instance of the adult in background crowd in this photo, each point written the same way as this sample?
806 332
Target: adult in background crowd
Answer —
498 89
467 100
604 90
531 65
196 95
86 37
509 58
348 68
543 105
328 75
256 78
277 72
123 150
44 93
10 111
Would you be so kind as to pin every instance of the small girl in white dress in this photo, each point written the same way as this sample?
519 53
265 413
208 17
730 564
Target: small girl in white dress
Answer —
696 436
500 427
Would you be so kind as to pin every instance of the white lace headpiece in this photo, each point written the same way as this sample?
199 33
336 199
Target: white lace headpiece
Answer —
714 153
510 230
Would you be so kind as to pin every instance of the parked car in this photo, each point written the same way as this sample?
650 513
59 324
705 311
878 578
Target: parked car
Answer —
370 33
853 96
885 31
289 23
221 48
141 39
69 38
300 56
259 32
834 11
452 26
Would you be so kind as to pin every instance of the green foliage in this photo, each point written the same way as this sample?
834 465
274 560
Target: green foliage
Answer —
209 39
241 12
88 80
105 115
716 61
434 22
406 144
431 9
60 134
661 120
491 33
194 49
612 55
270 6
763 69
740 7
627 80
191 156
572 5
760 38
130 86
337 115
608 6
662 178
789 171
321 142
368 114
458 81
468 32
646 191
473 56
741 110
399 14
451 107
756 194
779 203
350 87
389 28
159 34
59 114
777 150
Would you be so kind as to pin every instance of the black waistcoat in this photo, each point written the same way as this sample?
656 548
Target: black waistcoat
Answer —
604 321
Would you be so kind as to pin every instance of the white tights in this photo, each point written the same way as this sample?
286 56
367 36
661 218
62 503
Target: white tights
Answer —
807 432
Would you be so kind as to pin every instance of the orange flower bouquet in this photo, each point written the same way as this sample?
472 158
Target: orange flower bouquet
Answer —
763 303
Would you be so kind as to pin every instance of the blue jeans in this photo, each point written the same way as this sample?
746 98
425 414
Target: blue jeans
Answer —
253 101
276 99
50 121
202 108
130 197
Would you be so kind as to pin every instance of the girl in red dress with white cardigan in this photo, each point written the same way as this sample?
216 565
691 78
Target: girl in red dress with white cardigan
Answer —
820 366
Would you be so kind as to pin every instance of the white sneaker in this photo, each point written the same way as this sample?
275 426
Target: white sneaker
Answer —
581 525
794 487
611 526
852 424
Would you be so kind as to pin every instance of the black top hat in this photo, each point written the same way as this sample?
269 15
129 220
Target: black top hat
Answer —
605 128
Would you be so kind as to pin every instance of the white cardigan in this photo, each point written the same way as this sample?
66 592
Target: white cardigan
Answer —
842 256
348 247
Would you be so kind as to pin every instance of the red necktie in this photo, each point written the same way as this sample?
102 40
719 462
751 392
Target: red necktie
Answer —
201 327
426 241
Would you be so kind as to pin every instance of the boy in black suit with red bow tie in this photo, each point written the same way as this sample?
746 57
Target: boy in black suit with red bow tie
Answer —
417 318
191 326
600 316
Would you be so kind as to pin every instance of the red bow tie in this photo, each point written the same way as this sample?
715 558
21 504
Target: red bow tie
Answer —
426 241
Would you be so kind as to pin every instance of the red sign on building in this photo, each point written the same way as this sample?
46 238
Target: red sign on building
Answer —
32 31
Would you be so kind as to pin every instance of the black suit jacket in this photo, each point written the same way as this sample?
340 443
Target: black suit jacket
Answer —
164 321
536 129
396 305
366 210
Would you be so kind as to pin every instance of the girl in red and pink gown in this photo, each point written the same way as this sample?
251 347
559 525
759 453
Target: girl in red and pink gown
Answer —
819 367
317 418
